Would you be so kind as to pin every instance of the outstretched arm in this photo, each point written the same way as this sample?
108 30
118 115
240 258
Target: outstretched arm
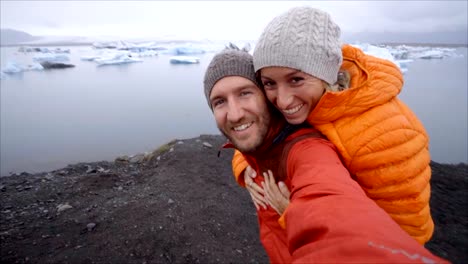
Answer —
330 219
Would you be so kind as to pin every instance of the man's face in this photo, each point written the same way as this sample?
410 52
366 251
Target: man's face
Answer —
241 112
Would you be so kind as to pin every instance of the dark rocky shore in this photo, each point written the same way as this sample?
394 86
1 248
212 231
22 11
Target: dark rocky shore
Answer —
179 204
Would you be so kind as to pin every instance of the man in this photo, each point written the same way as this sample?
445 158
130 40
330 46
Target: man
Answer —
329 219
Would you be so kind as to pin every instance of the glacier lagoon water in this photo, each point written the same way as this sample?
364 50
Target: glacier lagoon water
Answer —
53 118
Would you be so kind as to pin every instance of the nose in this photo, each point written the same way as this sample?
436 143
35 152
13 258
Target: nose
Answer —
284 97
235 112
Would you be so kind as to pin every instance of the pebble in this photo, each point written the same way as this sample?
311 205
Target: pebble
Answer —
91 226
49 176
63 207
208 145
137 158
170 201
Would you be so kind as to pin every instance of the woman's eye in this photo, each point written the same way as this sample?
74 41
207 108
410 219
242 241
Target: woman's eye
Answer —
268 83
296 79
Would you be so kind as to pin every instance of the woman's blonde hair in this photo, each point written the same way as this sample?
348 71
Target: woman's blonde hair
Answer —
342 82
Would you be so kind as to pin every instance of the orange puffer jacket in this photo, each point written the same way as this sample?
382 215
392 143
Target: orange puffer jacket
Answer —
381 141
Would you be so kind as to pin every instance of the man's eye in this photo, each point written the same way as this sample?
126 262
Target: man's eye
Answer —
217 102
245 93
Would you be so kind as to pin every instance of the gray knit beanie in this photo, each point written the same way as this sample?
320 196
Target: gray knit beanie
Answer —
303 38
229 62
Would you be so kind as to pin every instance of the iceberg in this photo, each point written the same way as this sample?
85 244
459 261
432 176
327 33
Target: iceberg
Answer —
89 57
59 50
430 54
184 50
122 58
35 49
51 57
408 52
13 67
42 50
147 53
383 53
140 47
56 65
105 45
184 60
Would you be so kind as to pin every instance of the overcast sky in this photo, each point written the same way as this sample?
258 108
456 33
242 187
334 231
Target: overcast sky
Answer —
223 19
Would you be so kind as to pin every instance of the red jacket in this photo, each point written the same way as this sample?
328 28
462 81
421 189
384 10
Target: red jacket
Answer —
330 218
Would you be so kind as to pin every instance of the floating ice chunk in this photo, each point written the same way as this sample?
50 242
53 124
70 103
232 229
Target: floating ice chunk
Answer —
51 57
404 63
34 49
34 67
147 53
117 59
184 60
105 45
185 50
140 47
383 53
89 57
429 54
13 67
56 65
409 52
59 50
378 52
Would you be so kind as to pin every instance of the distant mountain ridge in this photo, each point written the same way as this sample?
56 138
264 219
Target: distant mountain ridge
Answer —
12 37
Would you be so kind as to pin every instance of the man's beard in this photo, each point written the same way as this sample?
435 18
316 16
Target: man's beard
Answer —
259 137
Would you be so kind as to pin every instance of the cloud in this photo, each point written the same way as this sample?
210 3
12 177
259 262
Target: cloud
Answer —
221 19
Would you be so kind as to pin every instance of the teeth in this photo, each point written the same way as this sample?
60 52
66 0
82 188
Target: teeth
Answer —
243 127
293 110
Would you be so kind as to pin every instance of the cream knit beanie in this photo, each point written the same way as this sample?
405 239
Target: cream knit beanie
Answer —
303 38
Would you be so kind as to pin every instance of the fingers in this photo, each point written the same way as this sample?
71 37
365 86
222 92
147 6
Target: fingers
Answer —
256 193
250 172
250 184
276 195
259 201
284 190
254 202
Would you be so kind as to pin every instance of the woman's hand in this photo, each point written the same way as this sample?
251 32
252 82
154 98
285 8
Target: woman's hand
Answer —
257 193
277 196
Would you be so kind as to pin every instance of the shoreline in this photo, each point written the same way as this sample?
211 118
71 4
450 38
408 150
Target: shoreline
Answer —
147 155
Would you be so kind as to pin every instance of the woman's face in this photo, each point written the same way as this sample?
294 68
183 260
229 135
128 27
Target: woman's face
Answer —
292 91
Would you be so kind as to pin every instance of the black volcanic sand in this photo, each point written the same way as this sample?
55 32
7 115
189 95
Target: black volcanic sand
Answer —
180 206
